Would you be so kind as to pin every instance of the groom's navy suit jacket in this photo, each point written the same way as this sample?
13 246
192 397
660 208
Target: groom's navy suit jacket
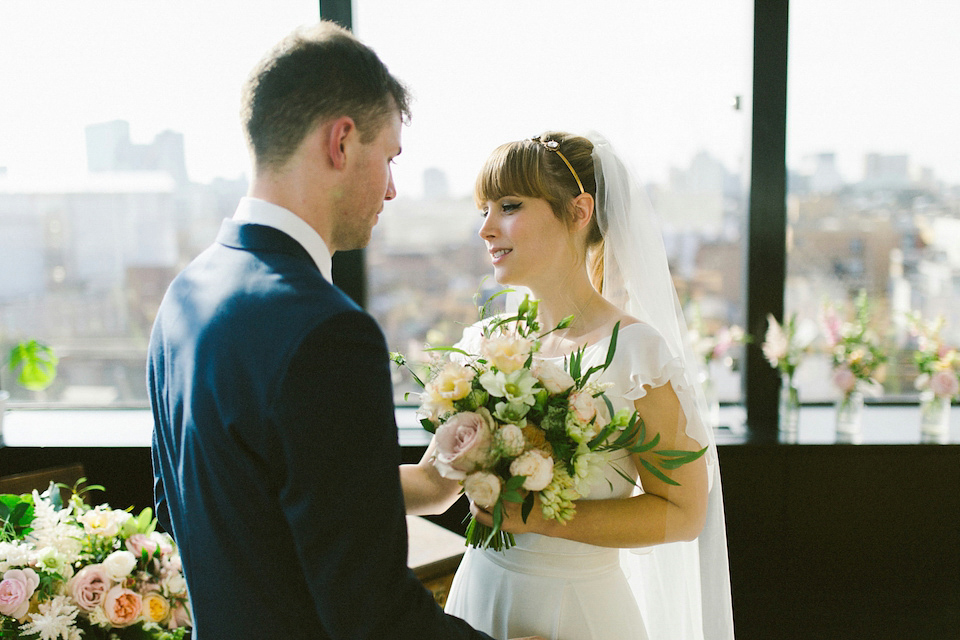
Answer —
275 451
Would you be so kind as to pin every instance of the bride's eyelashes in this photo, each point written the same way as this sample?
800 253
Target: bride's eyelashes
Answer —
506 207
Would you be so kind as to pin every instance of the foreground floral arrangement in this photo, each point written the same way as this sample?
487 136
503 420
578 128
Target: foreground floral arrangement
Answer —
71 571
511 427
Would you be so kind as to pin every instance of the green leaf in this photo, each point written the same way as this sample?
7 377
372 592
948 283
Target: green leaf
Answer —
652 469
643 447
37 365
527 506
428 425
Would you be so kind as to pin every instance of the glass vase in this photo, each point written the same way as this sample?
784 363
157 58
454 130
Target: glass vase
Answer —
711 398
934 416
4 396
850 417
789 408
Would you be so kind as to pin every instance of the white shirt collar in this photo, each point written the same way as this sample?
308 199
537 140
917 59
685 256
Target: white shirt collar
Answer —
258 211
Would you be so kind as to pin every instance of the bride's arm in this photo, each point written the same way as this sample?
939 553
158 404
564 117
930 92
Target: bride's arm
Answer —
663 513
425 491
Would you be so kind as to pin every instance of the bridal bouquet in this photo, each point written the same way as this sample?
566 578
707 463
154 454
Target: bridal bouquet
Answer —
71 571
510 426
858 362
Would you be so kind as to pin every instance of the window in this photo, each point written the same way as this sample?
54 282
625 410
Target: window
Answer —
874 184
120 153
669 85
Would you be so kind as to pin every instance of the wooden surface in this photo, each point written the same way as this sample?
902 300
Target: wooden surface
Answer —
434 555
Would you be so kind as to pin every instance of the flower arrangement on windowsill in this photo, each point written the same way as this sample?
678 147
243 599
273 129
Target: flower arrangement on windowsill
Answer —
714 347
859 364
784 347
72 571
939 379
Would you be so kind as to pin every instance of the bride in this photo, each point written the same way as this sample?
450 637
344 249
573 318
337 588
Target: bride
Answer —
564 218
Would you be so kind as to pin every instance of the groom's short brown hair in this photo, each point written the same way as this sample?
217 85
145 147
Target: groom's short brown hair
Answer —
315 74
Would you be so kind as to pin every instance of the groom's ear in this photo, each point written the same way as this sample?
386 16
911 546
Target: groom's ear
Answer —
340 133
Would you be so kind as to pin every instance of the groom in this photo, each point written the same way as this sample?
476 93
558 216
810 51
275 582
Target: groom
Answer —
275 448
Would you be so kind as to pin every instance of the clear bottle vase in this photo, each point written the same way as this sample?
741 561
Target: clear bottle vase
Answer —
850 417
934 415
789 408
711 398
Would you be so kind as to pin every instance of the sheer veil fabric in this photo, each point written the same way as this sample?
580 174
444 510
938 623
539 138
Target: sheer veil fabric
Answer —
683 588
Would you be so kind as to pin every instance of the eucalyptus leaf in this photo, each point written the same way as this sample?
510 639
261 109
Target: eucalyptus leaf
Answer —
652 469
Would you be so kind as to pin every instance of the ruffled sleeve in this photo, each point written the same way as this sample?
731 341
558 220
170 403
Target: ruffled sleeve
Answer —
644 361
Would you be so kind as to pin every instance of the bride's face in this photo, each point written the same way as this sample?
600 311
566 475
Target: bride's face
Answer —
527 243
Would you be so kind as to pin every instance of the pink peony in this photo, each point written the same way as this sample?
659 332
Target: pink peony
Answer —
944 384
16 589
89 586
464 443
122 606
844 379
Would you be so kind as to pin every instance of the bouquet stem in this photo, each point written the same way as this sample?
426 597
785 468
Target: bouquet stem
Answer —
483 537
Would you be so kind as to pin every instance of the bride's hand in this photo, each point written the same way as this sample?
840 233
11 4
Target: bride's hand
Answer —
512 518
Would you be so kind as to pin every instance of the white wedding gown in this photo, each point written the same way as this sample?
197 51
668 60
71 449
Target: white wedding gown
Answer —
565 590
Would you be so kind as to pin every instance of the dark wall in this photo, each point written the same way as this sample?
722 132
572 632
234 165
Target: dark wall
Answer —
833 541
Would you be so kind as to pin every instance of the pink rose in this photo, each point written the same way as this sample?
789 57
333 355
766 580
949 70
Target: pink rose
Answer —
140 542
944 384
180 617
89 586
844 379
464 443
16 589
122 606
583 406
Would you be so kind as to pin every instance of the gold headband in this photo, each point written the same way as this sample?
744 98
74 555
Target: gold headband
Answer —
554 146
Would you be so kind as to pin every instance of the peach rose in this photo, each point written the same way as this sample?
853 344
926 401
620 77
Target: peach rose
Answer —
122 606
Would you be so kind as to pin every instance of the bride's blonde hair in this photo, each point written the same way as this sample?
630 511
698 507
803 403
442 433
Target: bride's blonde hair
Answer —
532 169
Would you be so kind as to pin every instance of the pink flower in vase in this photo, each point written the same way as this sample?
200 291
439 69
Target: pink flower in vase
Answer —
845 380
944 384
122 606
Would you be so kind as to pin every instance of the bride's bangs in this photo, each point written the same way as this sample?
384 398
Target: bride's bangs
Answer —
513 169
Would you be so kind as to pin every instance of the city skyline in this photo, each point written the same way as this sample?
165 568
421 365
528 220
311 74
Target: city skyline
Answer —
844 96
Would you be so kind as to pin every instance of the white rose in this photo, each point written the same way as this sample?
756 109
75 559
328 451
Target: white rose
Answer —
174 584
553 378
119 564
483 488
510 440
537 466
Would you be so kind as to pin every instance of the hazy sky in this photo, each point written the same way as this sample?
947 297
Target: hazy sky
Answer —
656 76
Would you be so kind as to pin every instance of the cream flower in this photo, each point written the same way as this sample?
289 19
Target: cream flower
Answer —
512 387
483 488
119 564
510 440
506 353
537 466
553 378
453 382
